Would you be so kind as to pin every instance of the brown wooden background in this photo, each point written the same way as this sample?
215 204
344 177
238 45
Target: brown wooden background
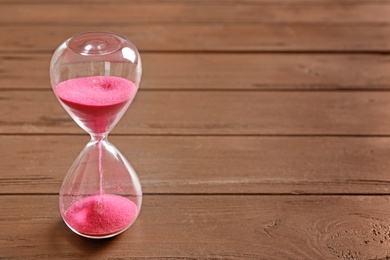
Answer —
261 129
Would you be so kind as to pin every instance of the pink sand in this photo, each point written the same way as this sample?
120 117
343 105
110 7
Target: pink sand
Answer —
96 100
96 90
101 215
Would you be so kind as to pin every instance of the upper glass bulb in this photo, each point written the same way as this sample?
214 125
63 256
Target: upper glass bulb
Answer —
95 76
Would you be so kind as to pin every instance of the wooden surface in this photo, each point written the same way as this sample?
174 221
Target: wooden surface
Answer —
261 129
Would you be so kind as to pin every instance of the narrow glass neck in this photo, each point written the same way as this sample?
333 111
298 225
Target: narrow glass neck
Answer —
99 137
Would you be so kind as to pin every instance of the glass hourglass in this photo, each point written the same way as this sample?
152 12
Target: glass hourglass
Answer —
95 76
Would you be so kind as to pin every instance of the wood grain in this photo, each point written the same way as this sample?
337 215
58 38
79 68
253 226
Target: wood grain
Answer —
284 37
208 227
213 113
179 12
189 2
228 71
209 165
261 130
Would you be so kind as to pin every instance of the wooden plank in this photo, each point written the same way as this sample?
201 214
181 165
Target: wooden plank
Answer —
256 165
208 227
222 2
229 71
301 37
213 113
191 12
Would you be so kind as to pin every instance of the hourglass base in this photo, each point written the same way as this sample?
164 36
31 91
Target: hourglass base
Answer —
101 216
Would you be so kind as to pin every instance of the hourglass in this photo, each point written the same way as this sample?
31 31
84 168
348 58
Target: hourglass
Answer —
95 76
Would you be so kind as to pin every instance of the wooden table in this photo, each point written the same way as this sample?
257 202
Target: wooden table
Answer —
261 129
